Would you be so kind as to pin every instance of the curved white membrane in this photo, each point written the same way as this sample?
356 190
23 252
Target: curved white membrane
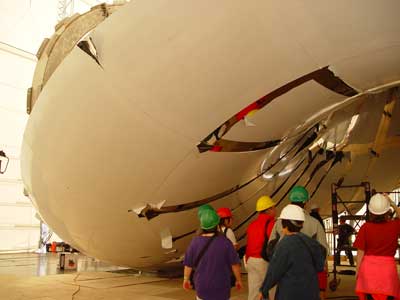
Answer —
105 139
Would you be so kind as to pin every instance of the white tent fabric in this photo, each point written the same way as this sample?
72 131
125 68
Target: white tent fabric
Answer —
23 26
18 228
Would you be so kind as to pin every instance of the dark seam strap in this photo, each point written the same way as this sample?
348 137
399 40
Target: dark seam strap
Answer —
254 213
151 212
324 77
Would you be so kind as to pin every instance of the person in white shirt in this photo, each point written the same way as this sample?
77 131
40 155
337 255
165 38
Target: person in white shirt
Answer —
225 225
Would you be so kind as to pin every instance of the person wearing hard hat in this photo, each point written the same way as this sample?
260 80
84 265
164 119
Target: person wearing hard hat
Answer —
295 262
225 225
213 258
376 244
298 195
314 212
344 241
203 208
258 230
200 211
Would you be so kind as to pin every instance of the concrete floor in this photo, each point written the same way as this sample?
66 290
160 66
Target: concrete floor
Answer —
36 277
33 264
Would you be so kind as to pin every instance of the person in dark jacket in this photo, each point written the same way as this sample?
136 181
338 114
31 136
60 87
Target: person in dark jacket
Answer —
296 261
344 242
311 227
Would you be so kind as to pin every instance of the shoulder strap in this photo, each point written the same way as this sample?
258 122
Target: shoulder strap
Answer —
225 231
265 252
309 250
203 251
266 228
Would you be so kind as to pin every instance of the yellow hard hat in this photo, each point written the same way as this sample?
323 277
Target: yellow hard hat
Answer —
264 202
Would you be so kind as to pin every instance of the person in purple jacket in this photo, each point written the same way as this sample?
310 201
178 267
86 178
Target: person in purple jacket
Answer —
213 269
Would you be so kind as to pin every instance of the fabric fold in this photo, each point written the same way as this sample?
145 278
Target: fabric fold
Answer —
378 275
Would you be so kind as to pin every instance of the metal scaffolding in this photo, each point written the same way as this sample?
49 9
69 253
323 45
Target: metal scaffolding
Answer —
336 199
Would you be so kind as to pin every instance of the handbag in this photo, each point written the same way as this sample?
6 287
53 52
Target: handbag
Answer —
197 261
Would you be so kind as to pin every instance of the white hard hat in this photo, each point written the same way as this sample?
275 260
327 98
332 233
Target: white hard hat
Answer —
378 204
292 212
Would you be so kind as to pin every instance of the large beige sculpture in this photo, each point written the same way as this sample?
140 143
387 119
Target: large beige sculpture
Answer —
166 105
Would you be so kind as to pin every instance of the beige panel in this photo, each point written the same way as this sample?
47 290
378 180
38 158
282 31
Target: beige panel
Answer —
102 140
193 74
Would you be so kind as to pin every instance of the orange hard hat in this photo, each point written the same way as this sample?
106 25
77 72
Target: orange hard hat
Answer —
224 212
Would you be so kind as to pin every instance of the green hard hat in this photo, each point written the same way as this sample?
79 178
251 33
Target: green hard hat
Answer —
298 194
209 219
203 208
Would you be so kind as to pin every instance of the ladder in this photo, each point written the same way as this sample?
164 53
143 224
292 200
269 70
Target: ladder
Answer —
337 200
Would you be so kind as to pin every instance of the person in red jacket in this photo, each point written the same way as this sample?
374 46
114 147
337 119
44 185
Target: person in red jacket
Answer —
376 241
257 232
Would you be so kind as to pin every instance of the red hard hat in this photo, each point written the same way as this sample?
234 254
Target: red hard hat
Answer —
224 212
